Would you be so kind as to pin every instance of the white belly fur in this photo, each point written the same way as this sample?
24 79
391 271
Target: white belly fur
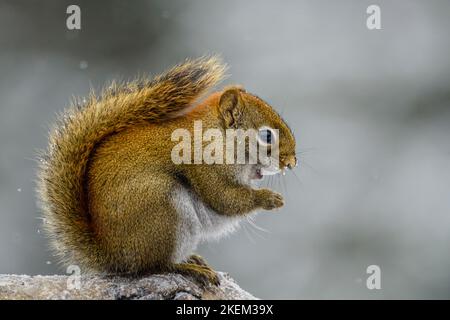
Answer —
197 223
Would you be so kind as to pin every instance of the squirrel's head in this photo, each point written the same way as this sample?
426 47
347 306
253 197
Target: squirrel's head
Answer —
242 110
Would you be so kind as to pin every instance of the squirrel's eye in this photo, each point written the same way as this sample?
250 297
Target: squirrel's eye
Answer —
266 136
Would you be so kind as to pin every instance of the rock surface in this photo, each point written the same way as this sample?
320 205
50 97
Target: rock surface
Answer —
158 286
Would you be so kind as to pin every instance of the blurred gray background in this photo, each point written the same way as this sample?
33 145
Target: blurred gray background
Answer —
370 109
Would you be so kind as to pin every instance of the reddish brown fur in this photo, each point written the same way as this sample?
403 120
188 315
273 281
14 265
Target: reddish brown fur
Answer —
106 178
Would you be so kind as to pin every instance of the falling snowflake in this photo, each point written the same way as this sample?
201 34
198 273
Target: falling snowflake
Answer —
83 65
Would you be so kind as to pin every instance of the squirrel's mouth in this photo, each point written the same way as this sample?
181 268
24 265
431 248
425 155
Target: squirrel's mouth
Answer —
259 173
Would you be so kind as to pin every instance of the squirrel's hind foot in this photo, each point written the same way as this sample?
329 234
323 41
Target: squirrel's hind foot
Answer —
201 273
198 260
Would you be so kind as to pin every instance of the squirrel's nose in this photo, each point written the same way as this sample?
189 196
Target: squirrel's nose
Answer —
290 162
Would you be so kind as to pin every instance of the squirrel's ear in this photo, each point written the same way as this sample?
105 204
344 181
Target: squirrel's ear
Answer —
231 106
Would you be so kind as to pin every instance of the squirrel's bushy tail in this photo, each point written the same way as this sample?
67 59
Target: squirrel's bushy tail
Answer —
62 167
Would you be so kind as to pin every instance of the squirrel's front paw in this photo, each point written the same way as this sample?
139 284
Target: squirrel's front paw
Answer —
269 200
